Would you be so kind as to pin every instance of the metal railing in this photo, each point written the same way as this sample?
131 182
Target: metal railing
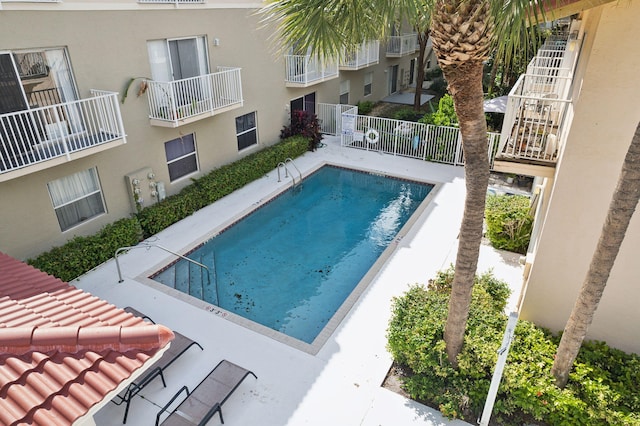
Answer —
330 117
302 70
427 142
367 54
149 245
178 100
402 45
39 134
532 129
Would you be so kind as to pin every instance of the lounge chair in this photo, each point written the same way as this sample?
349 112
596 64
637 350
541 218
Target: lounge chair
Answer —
178 346
201 404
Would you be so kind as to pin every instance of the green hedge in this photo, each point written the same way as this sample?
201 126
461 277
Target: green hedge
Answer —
81 254
217 184
603 388
509 223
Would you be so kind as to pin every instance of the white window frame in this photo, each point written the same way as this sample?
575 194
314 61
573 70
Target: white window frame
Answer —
182 157
345 87
368 83
252 129
65 197
160 56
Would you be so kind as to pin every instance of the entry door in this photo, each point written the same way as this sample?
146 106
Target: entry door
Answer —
184 58
305 103
393 79
12 96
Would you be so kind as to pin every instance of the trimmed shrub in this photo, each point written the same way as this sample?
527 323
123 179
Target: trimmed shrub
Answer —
603 388
407 114
217 184
81 254
305 124
365 107
509 223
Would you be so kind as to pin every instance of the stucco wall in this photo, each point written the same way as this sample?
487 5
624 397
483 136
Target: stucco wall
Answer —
107 48
605 116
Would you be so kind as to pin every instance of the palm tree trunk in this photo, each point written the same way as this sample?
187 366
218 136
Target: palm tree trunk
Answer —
423 37
623 204
465 86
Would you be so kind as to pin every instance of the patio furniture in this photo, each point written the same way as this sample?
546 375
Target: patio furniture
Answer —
201 404
177 347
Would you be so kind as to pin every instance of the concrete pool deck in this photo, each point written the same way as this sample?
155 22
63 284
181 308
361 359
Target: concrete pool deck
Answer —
341 383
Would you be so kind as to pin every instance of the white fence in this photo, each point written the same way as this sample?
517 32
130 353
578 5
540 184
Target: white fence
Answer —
330 117
409 139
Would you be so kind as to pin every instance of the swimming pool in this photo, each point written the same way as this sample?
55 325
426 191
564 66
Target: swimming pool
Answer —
291 264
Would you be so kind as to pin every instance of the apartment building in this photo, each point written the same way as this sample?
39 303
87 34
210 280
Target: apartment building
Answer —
569 122
206 86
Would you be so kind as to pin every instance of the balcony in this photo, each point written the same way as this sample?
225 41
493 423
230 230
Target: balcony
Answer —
368 54
35 139
399 46
532 131
307 70
179 102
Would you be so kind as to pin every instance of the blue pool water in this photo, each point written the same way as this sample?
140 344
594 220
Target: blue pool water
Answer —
290 264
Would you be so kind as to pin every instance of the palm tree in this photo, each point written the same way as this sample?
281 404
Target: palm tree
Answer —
423 21
623 204
463 33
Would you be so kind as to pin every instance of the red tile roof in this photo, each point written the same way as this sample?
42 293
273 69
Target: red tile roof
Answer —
63 350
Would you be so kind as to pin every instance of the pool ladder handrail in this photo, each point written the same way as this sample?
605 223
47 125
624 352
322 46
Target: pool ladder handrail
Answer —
148 246
283 164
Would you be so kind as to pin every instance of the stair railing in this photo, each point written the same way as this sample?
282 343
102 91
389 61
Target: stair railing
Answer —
148 246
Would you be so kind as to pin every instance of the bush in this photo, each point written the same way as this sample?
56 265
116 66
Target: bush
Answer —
217 184
439 86
82 254
603 389
365 107
509 222
305 124
407 114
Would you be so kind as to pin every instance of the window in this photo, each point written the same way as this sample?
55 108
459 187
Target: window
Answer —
344 91
76 198
35 78
305 103
177 59
182 158
246 130
368 83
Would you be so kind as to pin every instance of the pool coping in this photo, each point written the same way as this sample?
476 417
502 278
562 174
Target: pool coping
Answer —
345 307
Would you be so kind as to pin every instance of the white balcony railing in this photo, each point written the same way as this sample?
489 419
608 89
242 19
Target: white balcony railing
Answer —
367 54
405 44
38 135
178 102
532 129
306 70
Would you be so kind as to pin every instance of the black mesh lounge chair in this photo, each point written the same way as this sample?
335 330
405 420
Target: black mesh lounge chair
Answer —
178 346
201 404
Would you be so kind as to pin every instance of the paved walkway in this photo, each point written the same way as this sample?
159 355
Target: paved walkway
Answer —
340 384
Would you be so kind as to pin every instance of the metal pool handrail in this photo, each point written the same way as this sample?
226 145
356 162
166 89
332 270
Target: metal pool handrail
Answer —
148 246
